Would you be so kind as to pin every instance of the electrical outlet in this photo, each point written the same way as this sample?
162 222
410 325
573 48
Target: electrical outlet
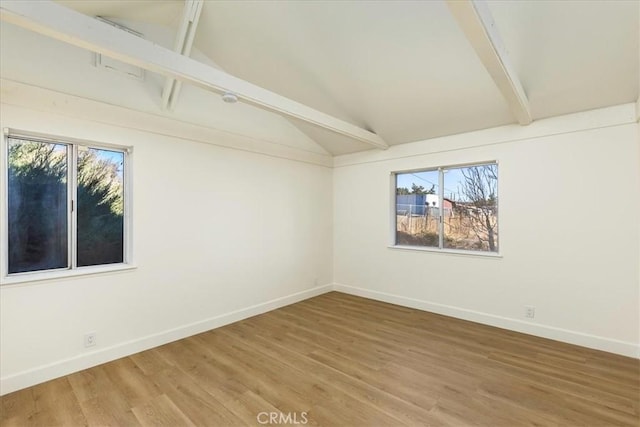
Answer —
90 339
529 311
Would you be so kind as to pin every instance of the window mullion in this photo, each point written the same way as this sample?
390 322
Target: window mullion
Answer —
127 208
441 208
73 207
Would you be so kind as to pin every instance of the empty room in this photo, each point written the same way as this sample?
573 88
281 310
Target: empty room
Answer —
329 213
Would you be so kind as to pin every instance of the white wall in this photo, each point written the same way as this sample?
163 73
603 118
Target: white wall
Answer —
569 207
219 234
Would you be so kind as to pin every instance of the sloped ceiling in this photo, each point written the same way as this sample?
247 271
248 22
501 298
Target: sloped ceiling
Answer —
161 12
404 69
572 55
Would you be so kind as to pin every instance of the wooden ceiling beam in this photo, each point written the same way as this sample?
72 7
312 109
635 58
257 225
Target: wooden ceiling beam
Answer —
184 42
474 18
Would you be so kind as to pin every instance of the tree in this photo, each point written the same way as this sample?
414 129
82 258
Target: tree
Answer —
402 191
419 189
479 187
100 177
100 211
37 212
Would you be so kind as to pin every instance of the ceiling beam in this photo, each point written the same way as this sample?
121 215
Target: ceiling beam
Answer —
184 42
474 18
58 22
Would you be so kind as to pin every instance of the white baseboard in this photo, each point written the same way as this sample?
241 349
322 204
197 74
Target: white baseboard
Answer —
77 363
572 337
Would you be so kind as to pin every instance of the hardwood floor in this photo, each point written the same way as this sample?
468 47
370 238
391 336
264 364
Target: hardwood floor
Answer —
342 360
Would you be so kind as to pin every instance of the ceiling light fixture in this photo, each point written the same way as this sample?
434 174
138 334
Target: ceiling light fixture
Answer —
229 97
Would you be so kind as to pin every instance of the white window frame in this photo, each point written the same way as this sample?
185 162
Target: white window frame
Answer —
440 248
72 156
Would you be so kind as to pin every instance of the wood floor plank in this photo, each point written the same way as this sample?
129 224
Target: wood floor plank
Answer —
342 360
573 375
107 411
161 411
266 377
403 387
20 404
149 362
101 401
249 406
199 406
131 382
216 381
56 404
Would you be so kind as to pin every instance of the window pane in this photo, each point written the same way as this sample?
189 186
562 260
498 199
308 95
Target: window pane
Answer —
471 208
37 206
100 207
417 208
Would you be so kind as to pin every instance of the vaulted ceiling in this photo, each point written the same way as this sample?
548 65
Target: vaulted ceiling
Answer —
406 70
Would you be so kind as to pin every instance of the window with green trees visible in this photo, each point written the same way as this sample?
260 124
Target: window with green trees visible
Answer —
452 207
65 205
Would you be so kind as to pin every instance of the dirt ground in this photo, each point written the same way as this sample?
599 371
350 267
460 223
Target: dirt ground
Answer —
423 231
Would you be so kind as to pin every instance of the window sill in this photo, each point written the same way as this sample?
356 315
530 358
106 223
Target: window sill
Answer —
447 251
24 278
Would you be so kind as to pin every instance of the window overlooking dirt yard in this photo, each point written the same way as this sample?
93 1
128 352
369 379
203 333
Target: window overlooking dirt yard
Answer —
452 207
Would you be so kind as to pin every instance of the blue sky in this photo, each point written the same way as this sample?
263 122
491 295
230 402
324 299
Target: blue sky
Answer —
116 157
452 180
